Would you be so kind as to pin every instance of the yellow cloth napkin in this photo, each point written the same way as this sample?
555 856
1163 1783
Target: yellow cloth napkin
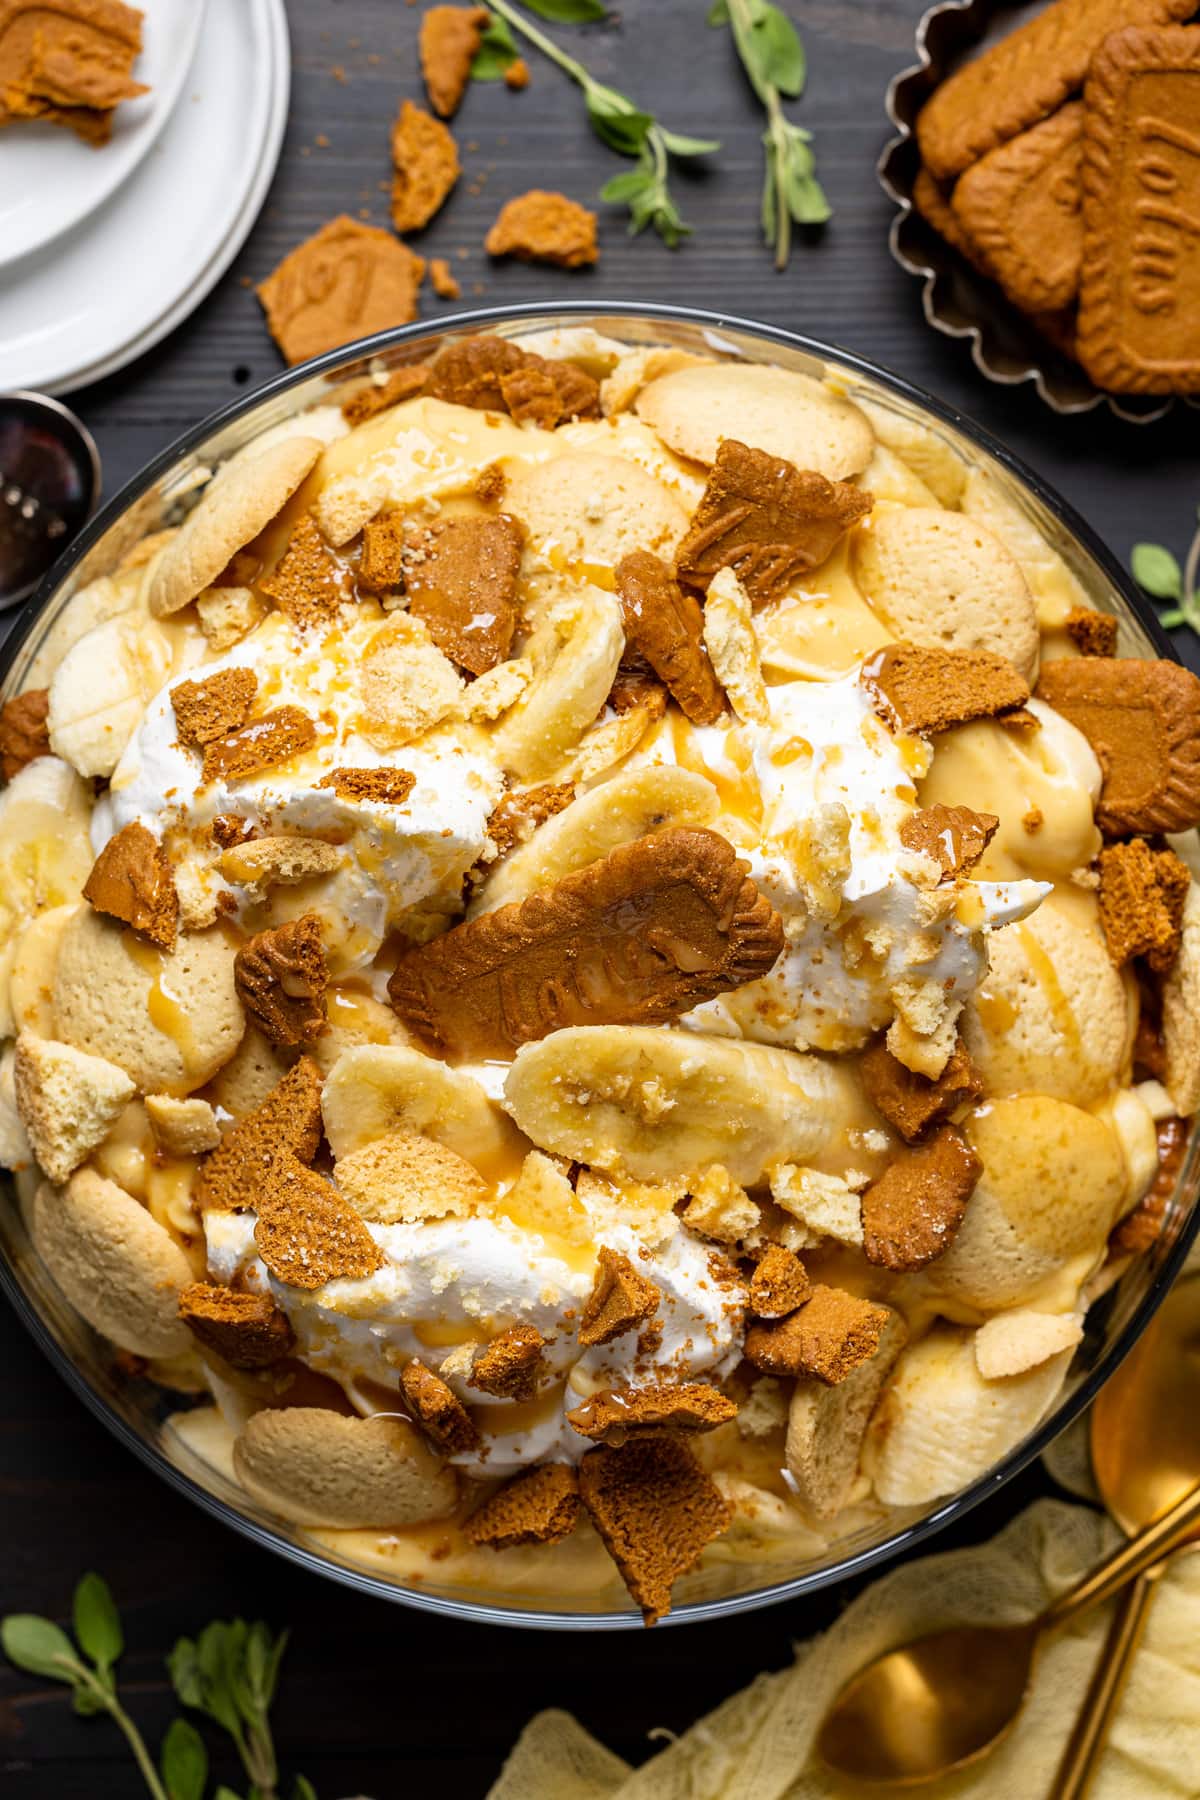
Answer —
758 1744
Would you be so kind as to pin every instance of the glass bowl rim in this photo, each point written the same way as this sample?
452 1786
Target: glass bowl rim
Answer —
908 1537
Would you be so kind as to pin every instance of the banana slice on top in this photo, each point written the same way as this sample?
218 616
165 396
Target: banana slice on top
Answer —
629 806
659 1104
375 1089
45 853
100 691
574 653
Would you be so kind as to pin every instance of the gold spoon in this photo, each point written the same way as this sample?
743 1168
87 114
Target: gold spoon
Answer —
945 1700
1145 1455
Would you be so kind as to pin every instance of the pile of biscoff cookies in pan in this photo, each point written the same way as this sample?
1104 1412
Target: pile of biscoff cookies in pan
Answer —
599 964
1064 163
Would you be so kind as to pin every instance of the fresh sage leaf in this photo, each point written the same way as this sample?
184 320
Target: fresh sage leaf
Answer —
97 1622
780 54
226 1793
1156 570
718 12
568 12
87 1702
183 1667
303 1789
679 145
38 1646
624 187
183 1762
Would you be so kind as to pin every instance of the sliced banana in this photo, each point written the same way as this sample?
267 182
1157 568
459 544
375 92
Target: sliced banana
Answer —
629 806
45 852
105 598
1055 589
931 459
574 653
940 1425
660 1104
101 688
16 1152
31 986
375 1089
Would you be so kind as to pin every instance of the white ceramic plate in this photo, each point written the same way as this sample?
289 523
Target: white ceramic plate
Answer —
52 179
87 305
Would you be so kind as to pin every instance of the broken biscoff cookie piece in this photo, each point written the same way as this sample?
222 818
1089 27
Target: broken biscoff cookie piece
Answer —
766 520
911 1213
540 1507
284 1127
263 744
70 64
510 1365
1142 896
641 936
206 710
911 1101
344 282
307 1234
516 817
132 880
779 1284
1092 633
620 1298
281 977
918 688
449 43
544 227
389 787
665 625
24 733
425 158
615 1415
486 373
372 398
655 1510
248 1331
437 1409
1142 719
954 836
461 579
827 1338
307 584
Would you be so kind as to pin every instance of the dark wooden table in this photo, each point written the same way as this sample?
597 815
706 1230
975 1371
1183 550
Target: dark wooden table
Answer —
375 1698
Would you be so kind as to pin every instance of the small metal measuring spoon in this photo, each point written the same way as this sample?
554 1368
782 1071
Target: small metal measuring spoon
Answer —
49 486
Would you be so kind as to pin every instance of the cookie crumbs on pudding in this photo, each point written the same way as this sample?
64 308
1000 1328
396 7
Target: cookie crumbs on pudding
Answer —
307 1234
1092 633
1142 895
389 787
263 744
911 1101
910 1215
24 733
779 1283
510 1365
307 584
954 836
366 401
285 1127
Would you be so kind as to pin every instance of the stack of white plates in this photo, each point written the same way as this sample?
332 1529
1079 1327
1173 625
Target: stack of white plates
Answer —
103 252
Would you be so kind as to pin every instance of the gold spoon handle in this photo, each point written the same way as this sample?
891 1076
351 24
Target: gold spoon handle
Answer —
1073 1778
1141 1552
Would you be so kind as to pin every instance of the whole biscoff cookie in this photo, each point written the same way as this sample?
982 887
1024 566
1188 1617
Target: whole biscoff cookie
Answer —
1054 1016
1025 77
776 410
594 508
170 1020
1139 303
234 508
116 1265
938 578
318 1468
1020 205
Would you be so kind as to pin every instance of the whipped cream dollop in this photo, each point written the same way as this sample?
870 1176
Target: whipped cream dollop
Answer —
454 1283
830 785
398 856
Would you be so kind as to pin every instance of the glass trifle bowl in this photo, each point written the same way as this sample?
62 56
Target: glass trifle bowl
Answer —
598 1022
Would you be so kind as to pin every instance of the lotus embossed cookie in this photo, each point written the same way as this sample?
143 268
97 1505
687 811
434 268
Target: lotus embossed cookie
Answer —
594 965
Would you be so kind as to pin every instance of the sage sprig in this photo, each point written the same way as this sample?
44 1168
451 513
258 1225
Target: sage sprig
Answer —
771 53
229 1673
1156 570
617 120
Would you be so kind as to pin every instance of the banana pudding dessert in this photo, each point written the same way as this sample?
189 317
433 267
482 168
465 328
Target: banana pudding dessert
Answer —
599 963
